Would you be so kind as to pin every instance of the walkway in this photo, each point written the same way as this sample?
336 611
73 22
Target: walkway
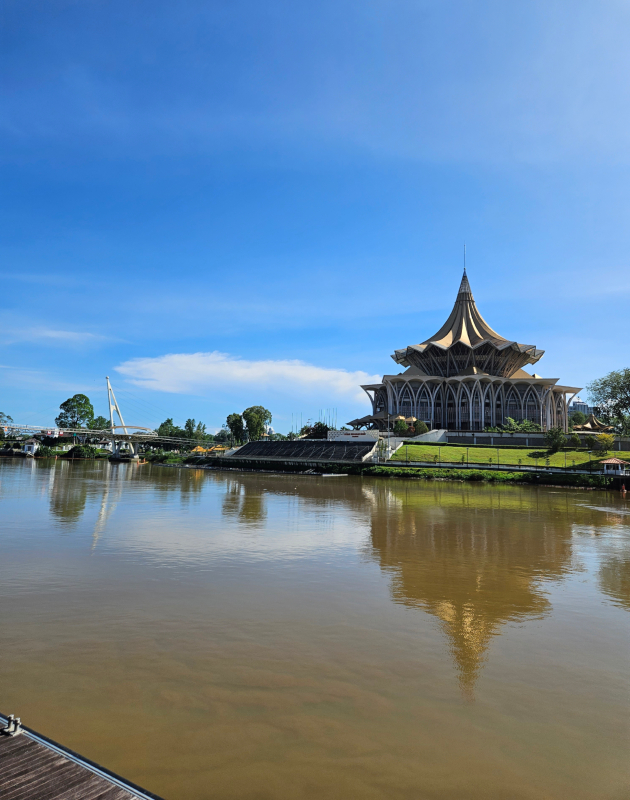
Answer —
35 768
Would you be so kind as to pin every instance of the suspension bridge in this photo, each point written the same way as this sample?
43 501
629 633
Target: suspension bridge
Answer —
125 438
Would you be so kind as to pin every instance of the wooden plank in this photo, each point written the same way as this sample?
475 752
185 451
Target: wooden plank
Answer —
50 784
26 762
34 768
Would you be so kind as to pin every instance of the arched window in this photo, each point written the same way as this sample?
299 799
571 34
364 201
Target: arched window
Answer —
405 405
424 407
380 401
559 411
464 410
499 405
438 409
487 408
513 406
451 417
532 407
476 409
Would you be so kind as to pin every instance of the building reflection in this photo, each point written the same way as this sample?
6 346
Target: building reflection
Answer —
474 561
475 557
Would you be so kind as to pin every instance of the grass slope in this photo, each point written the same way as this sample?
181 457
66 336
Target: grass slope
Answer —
571 459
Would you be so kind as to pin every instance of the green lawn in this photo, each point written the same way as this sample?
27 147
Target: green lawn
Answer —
578 459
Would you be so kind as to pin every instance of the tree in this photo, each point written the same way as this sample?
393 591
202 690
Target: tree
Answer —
612 394
167 428
81 451
171 431
555 439
5 419
99 424
510 424
401 428
574 440
236 427
622 425
223 436
577 418
317 431
525 426
420 427
195 430
256 418
605 442
590 442
76 411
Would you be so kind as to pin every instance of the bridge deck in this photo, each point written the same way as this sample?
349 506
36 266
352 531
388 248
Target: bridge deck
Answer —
32 766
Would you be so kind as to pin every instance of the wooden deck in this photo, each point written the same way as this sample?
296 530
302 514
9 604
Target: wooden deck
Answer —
33 767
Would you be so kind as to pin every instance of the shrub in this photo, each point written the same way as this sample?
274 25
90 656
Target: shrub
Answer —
555 439
605 442
400 427
45 452
525 426
81 451
574 440
420 427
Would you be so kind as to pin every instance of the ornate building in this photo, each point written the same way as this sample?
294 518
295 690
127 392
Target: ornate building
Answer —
467 377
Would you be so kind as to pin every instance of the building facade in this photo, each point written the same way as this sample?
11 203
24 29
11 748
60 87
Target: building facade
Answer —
467 377
579 405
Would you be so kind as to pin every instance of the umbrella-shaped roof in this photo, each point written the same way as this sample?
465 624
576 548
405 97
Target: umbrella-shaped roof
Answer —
465 326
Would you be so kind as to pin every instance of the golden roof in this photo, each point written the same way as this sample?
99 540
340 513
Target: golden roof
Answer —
465 323
466 326
592 425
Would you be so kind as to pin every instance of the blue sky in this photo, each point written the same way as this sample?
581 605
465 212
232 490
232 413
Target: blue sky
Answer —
195 196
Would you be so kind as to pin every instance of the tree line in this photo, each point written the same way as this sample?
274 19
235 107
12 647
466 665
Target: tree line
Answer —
611 395
250 425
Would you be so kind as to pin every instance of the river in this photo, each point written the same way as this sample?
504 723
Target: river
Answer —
273 637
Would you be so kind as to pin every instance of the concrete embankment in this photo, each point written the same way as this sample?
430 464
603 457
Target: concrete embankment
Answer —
389 470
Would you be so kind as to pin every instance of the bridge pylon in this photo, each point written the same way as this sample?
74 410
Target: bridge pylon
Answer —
113 406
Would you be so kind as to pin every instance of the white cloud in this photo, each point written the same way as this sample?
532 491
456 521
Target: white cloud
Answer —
61 336
191 372
53 336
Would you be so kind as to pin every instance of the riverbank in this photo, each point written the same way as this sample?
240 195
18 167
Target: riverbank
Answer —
540 478
392 469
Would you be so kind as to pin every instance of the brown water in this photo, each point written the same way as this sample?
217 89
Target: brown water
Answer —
231 635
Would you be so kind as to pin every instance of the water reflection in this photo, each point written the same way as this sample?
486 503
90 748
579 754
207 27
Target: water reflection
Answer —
112 491
614 578
68 494
474 557
244 501
164 481
611 526
469 560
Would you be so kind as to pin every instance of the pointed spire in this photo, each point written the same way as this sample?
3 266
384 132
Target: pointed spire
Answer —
465 292
465 325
